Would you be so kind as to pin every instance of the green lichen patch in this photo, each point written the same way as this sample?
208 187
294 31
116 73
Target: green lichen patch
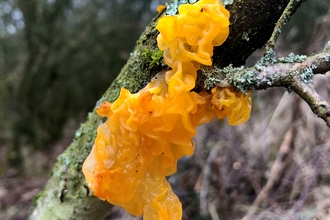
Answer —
172 8
245 36
292 58
242 80
307 74
227 2
327 57
268 59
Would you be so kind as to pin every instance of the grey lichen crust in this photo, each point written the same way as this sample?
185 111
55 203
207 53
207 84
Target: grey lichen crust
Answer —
245 36
269 58
292 58
227 2
172 7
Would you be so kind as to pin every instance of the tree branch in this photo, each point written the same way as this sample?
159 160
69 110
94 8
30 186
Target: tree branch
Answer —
319 106
293 72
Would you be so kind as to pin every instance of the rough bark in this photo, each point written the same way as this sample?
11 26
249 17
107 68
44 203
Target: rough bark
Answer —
66 195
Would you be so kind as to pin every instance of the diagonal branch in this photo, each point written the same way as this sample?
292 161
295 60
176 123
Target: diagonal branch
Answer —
285 17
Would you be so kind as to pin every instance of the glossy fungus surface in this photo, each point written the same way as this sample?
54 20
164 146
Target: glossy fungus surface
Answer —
146 133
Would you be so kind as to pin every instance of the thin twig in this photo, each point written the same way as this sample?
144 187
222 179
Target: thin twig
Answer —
319 106
276 171
285 17
310 180
206 180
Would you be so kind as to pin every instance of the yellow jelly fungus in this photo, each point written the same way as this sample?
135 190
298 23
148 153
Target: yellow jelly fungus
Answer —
231 104
148 132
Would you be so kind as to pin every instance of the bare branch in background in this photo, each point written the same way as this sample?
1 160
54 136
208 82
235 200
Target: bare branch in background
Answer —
282 161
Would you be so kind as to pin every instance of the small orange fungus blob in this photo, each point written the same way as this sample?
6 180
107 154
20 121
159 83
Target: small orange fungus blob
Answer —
160 8
148 132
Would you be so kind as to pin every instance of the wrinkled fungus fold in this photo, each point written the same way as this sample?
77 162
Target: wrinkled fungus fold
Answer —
146 133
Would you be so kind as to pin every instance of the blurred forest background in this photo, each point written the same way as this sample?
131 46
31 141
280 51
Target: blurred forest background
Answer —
57 57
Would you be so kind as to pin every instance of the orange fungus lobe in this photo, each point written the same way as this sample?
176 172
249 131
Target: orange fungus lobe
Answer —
160 8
